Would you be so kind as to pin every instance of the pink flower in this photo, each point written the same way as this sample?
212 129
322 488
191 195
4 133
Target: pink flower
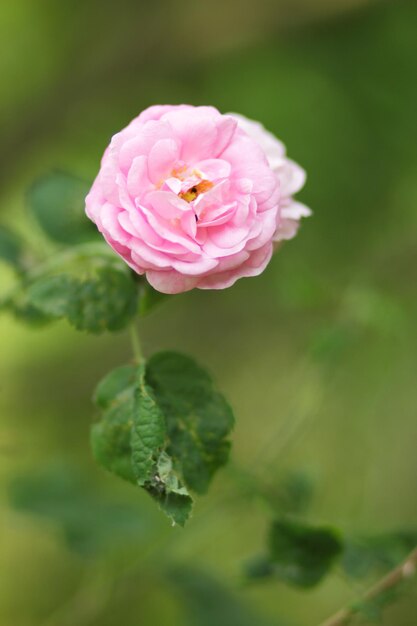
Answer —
193 198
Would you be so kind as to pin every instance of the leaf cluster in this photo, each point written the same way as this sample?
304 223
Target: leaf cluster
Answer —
81 280
301 553
163 427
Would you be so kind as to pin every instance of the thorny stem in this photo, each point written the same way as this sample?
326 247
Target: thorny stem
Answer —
406 570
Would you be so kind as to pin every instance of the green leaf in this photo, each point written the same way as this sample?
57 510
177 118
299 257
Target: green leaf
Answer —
299 554
104 301
152 465
111 439
53 294
111 436
28 314
198 418
116 382
374 555
167 437
129 439
148 434
24 310
11 248
177 506
57 201
303 554
108 301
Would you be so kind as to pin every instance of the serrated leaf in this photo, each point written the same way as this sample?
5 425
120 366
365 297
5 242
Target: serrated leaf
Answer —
24 310
148 433
107 300
111 436
129 439
11 248
53 294
198 418
138 436
30 315
57 200
152 465
177 506
299 554
111 439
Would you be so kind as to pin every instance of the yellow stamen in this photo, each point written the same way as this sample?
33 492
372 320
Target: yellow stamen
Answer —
194 191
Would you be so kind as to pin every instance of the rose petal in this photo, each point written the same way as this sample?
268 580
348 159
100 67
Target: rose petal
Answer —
213 169
162 158
171 282
138 181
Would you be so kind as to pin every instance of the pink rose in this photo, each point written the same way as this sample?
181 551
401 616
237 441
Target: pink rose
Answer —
193 198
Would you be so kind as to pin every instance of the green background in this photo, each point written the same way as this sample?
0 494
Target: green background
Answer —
318 356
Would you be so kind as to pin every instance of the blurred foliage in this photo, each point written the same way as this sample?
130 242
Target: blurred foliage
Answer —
294 493
318 355
209 602
11 249
91 523
299 554
57 202
377 554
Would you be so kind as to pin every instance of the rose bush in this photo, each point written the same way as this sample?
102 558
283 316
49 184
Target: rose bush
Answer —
194 198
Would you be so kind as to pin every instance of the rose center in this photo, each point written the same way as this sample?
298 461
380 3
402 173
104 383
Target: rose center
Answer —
193 192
